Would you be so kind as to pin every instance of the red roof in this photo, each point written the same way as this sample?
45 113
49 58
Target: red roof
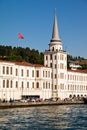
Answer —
79 71
23 63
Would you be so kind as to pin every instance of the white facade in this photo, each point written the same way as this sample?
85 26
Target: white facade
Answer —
21 79
77 83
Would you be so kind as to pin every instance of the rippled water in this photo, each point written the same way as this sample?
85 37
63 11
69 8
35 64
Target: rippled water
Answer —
68 117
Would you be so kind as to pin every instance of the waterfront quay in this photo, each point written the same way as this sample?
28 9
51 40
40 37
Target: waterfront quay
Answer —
37 104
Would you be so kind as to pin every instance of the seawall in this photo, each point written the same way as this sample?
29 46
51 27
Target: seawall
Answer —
37 104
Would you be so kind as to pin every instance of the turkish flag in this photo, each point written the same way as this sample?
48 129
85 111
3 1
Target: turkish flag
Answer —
20 36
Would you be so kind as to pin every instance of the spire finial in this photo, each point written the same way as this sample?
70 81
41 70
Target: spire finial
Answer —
55 34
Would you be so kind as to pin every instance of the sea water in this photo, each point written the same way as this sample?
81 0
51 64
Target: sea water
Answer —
62 117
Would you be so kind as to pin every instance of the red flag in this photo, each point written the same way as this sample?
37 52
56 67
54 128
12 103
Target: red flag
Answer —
20 36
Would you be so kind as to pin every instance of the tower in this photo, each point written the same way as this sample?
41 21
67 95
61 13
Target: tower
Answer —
56 59
55 42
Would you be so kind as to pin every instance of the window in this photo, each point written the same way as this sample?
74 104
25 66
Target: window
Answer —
11 84
61 75
68 77
44 85
43 73
32 73
61 57
22 85
50 64
55 87
62 86
51 75
51 57
49 85
46 57
11 70
68 86
61 66
3 69
37 85
27 73
53 49
7 83
55 66
16 84
22 72
3 83
27 84
37 73
55 76
46 73
55 57
86 87
7 70
16 72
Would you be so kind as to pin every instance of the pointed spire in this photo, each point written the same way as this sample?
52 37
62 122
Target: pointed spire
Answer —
55 34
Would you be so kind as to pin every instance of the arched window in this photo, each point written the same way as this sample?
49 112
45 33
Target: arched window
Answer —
16 84
10 70
3 69
7 70
11 84
22 85
46 85
3 83
27 84
37 85
7 83
53 49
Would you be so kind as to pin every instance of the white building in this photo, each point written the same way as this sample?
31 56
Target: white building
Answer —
24 80
74 66
21 79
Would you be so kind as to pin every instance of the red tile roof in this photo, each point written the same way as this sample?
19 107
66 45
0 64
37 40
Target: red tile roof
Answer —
23 63
79 71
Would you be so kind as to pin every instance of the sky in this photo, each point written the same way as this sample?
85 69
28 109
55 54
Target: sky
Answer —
34 20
